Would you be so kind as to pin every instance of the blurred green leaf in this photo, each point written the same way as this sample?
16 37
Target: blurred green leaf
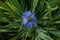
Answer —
57 22
49 9
56 33
42 35
5 30
3 19
33 5
11 25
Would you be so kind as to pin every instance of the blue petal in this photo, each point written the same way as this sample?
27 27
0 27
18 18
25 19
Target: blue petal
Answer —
24 21
29 25
34 23
27 14
33 17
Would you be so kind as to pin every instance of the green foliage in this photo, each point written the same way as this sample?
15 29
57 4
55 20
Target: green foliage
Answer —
48 20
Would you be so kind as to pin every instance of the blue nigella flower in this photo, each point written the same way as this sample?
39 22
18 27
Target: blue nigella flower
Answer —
29 19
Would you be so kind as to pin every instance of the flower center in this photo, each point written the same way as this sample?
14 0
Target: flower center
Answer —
29 19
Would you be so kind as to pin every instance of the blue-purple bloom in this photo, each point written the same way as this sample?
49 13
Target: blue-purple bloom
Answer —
29 19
